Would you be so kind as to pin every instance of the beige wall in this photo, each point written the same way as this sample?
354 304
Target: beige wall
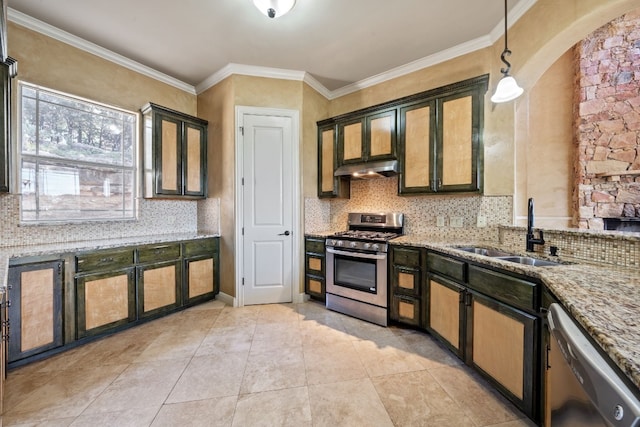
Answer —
56 65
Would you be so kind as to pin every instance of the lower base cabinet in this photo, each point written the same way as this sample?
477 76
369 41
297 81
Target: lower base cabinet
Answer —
105 291
445 312
34 309
314 268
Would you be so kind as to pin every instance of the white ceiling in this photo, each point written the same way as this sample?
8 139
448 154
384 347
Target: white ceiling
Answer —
338 42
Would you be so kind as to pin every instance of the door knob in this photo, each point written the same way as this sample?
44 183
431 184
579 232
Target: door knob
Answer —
286 233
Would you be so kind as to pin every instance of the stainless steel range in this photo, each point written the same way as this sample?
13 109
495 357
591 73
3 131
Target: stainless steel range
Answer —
357 265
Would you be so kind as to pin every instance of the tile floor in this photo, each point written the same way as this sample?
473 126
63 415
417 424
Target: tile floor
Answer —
270 365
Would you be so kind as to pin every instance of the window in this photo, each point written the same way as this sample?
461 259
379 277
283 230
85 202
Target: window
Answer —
77 158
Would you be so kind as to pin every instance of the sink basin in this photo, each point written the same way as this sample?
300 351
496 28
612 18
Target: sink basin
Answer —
484 251
528 261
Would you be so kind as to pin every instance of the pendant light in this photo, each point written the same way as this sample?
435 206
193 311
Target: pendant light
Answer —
274 8
507 89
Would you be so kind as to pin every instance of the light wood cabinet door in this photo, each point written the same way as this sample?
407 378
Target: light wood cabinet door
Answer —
417 124
35 311
158 288
351 137
200 279
380 136
445 312
329 186
105 301
503 347
459 142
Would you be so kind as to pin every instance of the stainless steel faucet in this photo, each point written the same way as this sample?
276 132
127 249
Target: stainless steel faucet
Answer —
531 240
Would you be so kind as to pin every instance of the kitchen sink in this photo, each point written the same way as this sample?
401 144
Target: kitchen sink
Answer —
506 256
528 261
484 251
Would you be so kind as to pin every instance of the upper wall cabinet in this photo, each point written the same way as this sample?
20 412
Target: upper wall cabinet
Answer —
7 71
367 138
329 186
440 140
175 154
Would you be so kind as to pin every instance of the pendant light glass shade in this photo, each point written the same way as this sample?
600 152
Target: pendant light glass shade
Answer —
507 90
274 8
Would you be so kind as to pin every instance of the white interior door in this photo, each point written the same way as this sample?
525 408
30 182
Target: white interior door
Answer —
267 204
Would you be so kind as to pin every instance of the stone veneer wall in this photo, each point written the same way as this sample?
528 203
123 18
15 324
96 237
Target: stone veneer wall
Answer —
421 212
608 122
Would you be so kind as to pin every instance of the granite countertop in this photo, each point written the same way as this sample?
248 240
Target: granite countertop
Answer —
604 299
69 247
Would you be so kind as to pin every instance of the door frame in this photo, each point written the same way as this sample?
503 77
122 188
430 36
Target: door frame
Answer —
297 226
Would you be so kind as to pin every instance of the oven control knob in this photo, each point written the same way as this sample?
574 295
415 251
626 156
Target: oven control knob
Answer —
375 247
334 242
353 244
340 243
367 245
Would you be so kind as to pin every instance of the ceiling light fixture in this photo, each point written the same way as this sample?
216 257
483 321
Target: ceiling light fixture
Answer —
507 89
274 8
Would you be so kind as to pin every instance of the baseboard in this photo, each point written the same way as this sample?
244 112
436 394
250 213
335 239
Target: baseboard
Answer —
301 297
227 299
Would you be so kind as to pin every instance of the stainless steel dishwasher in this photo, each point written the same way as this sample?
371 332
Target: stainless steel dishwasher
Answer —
582 388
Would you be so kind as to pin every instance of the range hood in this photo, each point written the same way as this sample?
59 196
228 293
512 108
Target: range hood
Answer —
368 170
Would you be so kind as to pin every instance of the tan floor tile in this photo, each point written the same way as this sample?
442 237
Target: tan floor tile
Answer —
433 354
207 377
224 343
278 313
276 336
333 363
416 399
172 345
477 399
360 330
141 385
65 395
288 407
274 370
20 385
216 412
26 422
128 418
349 403
318 335
387 356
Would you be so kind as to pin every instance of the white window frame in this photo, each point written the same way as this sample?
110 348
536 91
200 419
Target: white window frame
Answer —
133 169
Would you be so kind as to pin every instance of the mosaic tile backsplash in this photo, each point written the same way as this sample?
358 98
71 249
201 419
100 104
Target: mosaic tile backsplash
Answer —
421 212
155 217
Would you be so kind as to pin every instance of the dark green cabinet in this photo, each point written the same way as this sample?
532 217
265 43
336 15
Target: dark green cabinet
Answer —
315 267
7 72
35 309
406 267
329 185
440 140
175 154
201 272
105 291
489 319
159 279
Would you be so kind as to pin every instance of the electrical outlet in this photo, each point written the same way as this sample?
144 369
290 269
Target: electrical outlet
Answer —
456 221
440 221
481 221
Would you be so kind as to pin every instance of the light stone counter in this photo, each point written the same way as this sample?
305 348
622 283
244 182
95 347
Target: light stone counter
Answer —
604 299
69 247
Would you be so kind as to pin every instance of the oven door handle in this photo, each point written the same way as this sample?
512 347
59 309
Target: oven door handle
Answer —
357 254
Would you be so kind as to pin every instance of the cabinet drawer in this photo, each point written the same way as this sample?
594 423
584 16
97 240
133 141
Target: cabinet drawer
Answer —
405 309
406 280
447 266
511 290
314 245
315 264
200 247
156 253
103 260
409 257
315 287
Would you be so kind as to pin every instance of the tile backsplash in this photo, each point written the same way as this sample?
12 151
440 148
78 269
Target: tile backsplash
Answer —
421 212
155 217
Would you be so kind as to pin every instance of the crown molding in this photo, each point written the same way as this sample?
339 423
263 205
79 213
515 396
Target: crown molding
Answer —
77 42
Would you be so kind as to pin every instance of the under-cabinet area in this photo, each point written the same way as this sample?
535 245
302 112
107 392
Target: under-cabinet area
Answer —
61 300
